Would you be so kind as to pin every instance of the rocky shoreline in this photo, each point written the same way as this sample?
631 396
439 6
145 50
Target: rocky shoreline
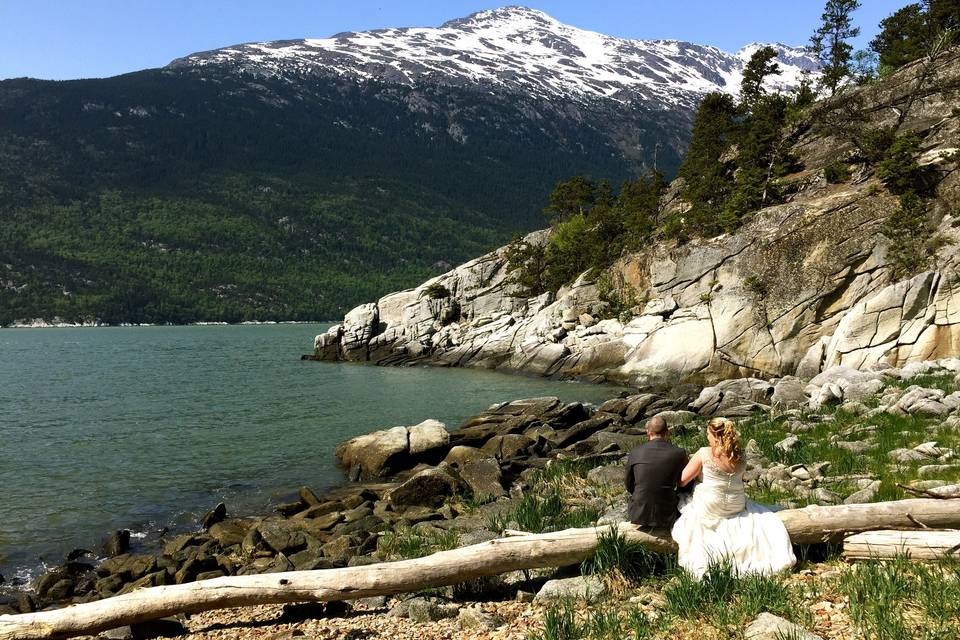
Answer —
413 490
803 286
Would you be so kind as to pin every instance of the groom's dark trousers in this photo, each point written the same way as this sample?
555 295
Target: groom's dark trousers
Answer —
652 475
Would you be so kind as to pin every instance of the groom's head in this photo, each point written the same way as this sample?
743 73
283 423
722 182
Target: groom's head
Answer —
657 428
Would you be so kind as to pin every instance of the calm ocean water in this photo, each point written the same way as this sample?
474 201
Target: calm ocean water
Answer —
149 427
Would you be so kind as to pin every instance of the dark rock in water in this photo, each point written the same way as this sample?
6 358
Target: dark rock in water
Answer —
118 543
73 555
218 514
163 628
427 488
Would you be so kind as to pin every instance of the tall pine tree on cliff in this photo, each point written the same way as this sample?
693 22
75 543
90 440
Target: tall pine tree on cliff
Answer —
758 67
916 30
707 175
830 41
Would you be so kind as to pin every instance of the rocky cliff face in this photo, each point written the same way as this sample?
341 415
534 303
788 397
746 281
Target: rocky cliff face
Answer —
806 285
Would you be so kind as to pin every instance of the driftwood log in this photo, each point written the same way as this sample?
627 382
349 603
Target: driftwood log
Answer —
809 525
924 544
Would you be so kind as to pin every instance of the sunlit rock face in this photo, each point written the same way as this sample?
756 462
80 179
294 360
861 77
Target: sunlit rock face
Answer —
805 286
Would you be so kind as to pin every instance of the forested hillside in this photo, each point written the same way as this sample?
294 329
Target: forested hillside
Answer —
292 179
162 197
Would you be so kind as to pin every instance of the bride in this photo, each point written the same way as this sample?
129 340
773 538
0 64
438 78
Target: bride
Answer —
719 524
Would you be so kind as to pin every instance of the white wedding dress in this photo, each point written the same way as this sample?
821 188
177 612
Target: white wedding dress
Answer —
719 524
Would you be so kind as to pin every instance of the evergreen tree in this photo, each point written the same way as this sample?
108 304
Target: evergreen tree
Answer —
575 196
902 37
916 30
758 67
527 265
760 159
830 41
943 19
639 205
706 175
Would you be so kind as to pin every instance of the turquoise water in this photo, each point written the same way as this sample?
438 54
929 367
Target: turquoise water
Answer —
148 427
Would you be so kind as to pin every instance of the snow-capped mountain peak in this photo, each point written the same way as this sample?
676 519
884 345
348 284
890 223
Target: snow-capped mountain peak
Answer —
515 49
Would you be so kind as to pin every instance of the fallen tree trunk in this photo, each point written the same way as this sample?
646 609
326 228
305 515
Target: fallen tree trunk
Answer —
812 525
925 544
562 548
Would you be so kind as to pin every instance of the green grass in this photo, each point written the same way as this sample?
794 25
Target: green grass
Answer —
561 470
537 513
725 599
567 621
899 599
615 555
891 432
941 381
405 542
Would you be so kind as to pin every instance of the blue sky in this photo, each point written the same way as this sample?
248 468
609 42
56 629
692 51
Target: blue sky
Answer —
62 39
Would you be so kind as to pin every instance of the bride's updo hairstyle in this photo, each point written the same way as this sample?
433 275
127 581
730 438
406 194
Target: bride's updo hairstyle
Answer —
728 440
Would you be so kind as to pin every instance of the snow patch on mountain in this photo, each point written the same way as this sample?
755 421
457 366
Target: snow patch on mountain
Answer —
518 49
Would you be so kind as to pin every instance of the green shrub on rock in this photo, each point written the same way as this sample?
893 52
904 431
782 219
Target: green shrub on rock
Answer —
837 172
436 291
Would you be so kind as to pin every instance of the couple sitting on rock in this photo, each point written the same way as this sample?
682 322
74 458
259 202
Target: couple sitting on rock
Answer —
717 524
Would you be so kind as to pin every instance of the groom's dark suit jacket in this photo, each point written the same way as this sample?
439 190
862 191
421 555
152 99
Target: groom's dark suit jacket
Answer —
652 475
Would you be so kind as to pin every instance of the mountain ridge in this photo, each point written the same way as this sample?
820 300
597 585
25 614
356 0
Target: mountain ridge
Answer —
209 192
512 47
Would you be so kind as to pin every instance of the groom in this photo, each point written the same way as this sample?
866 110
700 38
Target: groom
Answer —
652 476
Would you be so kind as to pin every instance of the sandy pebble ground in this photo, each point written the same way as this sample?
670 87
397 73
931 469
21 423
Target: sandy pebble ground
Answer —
520 620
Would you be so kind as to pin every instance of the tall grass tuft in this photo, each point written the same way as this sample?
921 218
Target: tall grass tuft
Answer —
565 621
405 542
898 599
539 513
724 598
614 555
